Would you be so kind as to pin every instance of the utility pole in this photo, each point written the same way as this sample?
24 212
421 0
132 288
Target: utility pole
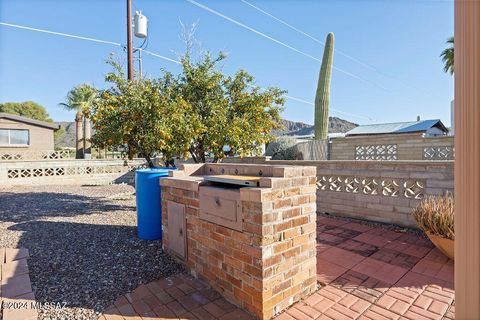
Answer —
129 40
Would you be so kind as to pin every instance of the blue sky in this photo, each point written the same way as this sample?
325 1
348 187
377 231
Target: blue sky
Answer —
399 40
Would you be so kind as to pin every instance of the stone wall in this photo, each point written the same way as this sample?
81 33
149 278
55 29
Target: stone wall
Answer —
47 172
409 146
271 263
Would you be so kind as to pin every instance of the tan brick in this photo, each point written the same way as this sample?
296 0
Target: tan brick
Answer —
292 192
301 181
308 189
291 212
298 221
283 246
281 203
291 233
275 259
282 226
300 240
291 253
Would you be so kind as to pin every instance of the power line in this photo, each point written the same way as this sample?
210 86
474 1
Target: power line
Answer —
307 35
59 33
152 54
281 43
160 56
83 38
312 104
346 55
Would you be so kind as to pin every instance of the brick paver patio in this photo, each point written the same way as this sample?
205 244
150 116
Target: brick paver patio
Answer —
366 272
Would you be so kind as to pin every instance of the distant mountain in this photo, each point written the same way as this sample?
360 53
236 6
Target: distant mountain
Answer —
67 139
292 128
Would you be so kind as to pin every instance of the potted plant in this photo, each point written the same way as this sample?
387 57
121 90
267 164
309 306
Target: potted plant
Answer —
435 217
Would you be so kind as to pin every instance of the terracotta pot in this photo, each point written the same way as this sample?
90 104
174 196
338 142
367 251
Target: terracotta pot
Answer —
443 244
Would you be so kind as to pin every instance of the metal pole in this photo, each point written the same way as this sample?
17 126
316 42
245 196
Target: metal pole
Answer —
129 40
140 64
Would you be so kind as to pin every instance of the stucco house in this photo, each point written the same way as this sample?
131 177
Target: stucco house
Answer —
20 133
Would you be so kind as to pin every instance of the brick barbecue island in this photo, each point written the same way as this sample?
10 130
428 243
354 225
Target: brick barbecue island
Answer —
256 245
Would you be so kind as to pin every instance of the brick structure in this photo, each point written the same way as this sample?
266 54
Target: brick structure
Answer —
271 262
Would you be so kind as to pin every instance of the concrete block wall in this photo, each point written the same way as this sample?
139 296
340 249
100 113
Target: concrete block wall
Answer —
384 191
409 146
271 263
48 172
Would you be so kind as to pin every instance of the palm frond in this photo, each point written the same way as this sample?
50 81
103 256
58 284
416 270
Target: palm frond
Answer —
447 56
80 98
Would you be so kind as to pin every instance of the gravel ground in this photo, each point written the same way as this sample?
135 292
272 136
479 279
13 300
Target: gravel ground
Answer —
84 251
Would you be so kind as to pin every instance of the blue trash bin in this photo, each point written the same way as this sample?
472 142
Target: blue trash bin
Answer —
149 205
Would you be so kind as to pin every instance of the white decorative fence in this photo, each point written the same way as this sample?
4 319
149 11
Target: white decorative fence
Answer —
376 152
21 154
439 153
68 171
15 155
388 187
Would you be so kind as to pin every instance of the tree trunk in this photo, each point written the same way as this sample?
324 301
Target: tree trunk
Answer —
149 161
194 156
88 136
79 135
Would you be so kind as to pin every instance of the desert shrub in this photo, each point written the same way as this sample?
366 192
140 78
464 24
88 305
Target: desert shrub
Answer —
435 215
283 148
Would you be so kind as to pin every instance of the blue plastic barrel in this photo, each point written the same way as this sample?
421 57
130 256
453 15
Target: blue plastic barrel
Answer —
149 204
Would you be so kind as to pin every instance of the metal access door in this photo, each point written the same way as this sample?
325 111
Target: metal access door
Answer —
177 229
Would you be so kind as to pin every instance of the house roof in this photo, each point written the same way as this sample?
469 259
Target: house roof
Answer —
48 125
398 127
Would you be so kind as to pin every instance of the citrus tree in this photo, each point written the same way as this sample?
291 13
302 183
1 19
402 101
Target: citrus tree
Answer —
198 113
141 115
226 110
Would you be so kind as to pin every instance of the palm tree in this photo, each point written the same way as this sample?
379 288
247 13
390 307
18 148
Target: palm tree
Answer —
80 99
447 56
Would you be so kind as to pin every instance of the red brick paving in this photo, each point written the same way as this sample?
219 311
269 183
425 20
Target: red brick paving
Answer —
367 273
398 276
177 297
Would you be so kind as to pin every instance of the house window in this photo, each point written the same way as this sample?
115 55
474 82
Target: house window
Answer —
16 137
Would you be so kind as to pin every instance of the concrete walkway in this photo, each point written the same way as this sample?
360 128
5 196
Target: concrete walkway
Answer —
17 301
366 272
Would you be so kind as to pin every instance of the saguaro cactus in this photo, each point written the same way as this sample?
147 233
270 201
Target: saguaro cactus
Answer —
322 97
